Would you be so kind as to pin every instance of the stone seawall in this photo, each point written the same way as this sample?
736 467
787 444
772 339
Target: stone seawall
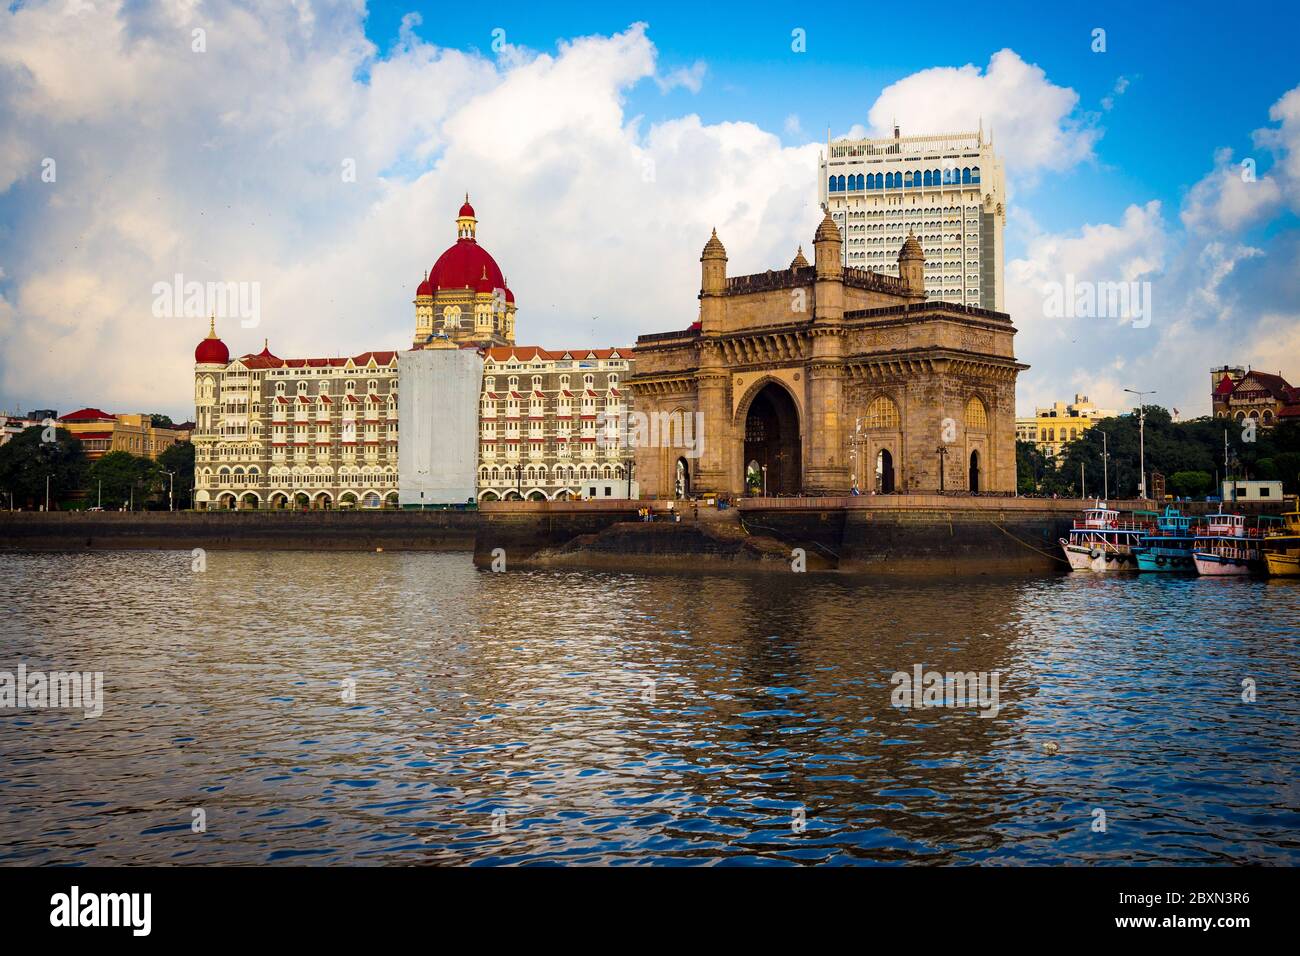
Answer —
923 534
254 530
879 535
887 534
517 530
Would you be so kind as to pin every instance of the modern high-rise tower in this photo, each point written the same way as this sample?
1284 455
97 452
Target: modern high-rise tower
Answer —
947 190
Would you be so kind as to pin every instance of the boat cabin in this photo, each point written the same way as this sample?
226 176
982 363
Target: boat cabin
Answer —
1224 524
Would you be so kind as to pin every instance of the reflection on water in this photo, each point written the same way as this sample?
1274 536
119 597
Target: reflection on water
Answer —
627 718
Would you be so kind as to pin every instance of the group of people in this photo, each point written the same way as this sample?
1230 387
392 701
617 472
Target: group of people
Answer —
647 514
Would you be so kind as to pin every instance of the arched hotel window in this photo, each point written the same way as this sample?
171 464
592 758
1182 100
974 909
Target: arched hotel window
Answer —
977 417
882 413
859 180
965 175
926 179
830 184
975 174
889 180
839 183
907 178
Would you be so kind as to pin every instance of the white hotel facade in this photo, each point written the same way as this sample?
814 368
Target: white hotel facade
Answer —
947 190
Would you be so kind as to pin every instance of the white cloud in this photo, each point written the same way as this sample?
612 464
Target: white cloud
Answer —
689 77
227 165
1121 85
1284 143
1230 198
1033 120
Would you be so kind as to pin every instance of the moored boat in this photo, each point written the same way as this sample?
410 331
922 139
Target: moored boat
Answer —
1102 541
1283 564
1226 547
1168 547
1282 547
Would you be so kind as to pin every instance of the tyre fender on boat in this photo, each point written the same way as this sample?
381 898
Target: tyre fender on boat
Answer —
1095 553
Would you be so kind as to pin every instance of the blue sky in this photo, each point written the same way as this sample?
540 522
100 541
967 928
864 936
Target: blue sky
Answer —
600 146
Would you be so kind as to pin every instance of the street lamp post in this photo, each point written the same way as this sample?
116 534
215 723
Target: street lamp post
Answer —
47 492
171 491
765 481
1105 475
1142 458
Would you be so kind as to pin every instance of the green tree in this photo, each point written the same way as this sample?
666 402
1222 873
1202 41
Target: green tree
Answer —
1287 464
27 459
1190 484
179 459
161 421
1032 467
121 478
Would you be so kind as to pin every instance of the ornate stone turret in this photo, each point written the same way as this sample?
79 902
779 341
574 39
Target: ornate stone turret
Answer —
799 261
826 249
713 267
911 265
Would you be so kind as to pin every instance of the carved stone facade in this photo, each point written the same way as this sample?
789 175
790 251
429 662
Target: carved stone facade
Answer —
819 378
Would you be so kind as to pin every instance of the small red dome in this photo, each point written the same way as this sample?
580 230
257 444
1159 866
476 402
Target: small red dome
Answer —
510 296
425 288
466 211
212 351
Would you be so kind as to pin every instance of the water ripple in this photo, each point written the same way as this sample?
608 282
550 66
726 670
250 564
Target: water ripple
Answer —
405 708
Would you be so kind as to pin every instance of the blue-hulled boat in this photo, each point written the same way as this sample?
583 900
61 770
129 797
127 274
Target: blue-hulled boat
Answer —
1169 547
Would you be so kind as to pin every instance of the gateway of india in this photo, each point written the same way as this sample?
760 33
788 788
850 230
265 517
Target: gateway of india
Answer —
825 379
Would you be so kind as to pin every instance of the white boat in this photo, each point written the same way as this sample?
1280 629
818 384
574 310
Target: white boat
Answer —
1103 541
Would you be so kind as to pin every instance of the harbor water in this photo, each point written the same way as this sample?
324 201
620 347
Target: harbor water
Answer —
405 708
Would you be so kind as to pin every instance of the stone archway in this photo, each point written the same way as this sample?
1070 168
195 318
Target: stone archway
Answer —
974 482
773 442
884 476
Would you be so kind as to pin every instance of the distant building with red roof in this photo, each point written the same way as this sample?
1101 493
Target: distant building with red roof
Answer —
1241 394
101 432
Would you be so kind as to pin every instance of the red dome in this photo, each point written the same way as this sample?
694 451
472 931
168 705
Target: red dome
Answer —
466 211
425 288
463 266
510 296
212 351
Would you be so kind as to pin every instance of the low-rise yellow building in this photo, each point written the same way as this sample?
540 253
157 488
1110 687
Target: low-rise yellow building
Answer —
1051 428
